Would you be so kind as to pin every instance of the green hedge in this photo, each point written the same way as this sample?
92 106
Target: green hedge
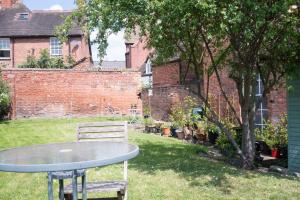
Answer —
4 98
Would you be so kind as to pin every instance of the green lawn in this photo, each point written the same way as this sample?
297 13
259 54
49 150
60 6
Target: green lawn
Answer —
165 169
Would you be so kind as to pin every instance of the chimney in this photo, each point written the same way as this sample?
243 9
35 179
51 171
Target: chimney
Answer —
8 3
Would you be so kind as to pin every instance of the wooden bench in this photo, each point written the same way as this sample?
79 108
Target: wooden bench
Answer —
103 131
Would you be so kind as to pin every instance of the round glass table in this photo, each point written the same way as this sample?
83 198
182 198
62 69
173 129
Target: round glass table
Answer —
65 157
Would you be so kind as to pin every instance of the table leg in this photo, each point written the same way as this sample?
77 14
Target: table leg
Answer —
50 186
84 194
74 184
61 189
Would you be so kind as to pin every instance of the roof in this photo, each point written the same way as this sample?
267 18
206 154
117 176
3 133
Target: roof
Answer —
39 23
110 64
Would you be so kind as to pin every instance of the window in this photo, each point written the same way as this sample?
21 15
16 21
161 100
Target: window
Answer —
148 67
262 110
4 48
23 16
55 47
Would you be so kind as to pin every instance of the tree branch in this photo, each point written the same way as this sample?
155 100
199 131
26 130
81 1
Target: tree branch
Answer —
218 77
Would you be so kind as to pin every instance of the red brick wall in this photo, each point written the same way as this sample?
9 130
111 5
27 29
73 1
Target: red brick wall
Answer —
277 103
138 53
59 93
22 47
7 3
276 100
163 98
168 74
217 100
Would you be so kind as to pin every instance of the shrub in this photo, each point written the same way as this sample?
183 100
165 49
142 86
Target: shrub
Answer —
226 146
70 62
4 99
148 121
31 62
57 62
146 111
181 113
45 61
274 134
177 116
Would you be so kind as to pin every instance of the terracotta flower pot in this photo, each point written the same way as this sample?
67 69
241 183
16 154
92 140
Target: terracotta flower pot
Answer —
275 153
166 132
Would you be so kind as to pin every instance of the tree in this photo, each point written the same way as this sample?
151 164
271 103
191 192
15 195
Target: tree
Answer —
246 38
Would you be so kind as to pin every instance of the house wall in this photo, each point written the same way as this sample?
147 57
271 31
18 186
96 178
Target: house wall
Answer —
276 100
22 47
60 93
277 103
168 74
294 128
217 101
7 3
138 54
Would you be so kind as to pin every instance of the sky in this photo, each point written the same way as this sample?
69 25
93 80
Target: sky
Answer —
116 48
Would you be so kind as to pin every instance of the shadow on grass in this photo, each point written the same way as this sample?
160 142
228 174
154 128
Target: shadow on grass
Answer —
5 122
183 159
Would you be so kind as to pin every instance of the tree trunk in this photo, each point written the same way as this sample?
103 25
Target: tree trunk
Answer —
248 122
248 140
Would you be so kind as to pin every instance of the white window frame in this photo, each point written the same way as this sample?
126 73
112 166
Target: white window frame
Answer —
55 48
148 67
24 18
261 108
5 49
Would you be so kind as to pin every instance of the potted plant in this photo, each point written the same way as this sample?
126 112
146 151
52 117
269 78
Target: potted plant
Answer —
200 131
272 139
275 151
276 137
178 120
213 132
148 122
166 129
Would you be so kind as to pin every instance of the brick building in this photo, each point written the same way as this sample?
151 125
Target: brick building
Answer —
173 81
24 32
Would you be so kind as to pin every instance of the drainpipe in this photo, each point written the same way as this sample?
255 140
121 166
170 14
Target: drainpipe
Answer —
13 52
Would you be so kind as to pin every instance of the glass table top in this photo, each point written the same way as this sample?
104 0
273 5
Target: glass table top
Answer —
65 156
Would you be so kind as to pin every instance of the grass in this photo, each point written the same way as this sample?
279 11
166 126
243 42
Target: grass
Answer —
166 169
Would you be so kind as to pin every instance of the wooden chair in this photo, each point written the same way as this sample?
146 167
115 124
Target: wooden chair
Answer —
103 131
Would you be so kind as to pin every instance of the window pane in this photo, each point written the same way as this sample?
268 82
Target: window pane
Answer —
23 16
4 44
55 45
4 54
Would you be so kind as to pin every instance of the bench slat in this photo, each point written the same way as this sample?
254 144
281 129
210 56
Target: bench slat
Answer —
101 135
102 124
101 129
105 186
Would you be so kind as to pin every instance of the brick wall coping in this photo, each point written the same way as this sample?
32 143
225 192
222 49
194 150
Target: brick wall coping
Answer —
67 70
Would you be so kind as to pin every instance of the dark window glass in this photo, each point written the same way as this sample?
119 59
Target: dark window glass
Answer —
23 16
4 54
